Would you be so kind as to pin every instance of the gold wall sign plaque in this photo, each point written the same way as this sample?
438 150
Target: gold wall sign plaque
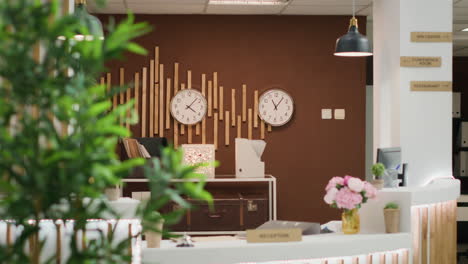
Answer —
420 61
274 235
431 86
431 36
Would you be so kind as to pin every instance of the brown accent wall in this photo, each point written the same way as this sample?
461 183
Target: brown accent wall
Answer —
292 52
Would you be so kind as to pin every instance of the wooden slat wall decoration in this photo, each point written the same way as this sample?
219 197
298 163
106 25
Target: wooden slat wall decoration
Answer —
143 103
122 94
122 83
244 103
109 84
395 258
182 126
176 89
227 125
262 129
176 77
137 93
215 130
157 84
369 259
189 79
239 126
151 99
255 123
249 124
161 100
189 127
129 97
158 94
168 103
233 107
210 102
156 108
215 90
221 102
114 97
203 128
156 64
355 260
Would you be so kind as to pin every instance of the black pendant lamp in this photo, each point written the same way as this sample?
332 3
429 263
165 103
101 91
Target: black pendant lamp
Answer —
353 44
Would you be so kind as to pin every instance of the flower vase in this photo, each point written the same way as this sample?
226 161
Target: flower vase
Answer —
350 221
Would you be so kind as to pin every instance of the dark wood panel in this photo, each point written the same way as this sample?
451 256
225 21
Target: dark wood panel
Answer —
291 52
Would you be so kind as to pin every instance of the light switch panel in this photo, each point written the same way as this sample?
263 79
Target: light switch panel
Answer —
326 114
339 114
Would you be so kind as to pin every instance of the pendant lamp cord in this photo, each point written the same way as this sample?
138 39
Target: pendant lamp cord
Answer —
354 7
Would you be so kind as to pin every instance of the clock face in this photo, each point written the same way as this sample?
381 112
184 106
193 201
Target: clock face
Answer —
275 107
188 106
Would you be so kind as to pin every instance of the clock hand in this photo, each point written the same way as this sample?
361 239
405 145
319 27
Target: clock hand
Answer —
273 102
279 103
188 106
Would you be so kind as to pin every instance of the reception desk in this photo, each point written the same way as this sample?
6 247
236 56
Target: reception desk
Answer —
428 235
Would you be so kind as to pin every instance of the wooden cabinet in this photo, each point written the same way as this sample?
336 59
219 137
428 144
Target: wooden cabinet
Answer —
238 205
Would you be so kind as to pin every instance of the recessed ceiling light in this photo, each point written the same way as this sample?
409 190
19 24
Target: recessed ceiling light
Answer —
248 2
465 29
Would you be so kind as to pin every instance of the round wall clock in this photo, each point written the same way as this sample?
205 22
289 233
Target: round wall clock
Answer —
275 107
188 106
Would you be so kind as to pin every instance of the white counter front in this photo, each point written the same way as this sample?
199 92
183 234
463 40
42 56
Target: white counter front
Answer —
428 226
312 247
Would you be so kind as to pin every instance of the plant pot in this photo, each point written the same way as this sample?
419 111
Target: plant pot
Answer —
350 222
392 220
112 193
153 239
378 183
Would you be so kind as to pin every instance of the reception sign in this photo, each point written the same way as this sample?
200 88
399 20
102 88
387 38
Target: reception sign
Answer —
274 235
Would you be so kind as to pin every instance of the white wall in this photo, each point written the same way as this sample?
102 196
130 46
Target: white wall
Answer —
419 122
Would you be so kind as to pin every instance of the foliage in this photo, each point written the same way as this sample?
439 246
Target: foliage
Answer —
58 133
164 191
392 205
378 170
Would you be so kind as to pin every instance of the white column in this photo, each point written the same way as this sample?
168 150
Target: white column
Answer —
419 122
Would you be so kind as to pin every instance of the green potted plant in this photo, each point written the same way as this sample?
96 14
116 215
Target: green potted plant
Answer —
58 135
392 217
378 171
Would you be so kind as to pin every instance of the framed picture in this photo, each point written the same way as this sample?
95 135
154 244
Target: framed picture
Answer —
200 153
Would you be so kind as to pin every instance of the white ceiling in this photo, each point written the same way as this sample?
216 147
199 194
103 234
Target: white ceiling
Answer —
293 7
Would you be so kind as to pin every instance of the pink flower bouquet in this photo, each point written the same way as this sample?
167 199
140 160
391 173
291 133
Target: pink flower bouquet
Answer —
348 192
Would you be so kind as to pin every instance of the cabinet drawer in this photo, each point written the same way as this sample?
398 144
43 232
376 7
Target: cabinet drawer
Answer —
225 216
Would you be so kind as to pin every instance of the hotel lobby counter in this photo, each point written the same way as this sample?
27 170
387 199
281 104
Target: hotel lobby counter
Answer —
323 246
427 226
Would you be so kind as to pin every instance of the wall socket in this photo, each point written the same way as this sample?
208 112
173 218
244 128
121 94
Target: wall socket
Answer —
340 114
326 114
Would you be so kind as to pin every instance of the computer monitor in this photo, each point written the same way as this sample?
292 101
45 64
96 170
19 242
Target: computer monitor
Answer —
390 157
